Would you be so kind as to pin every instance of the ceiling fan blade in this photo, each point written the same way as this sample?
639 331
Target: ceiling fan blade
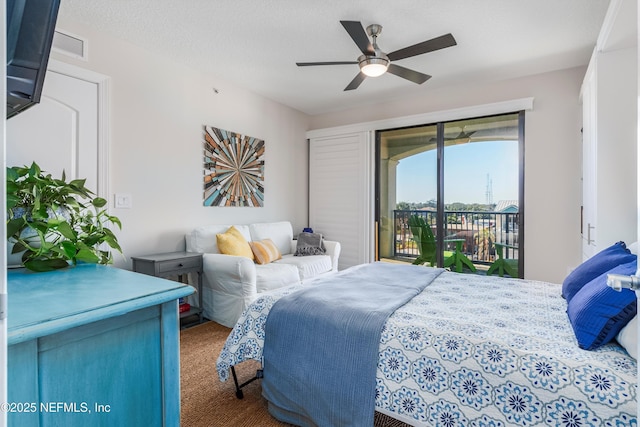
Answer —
468 134
427 46
308 64
359 36
356 81
408 74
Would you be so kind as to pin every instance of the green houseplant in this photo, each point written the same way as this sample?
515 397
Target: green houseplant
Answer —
55 223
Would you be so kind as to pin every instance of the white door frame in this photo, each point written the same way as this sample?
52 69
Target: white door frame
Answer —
637 171
103 136
3 231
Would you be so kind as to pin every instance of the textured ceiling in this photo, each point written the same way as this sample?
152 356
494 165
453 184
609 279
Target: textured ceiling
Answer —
256 44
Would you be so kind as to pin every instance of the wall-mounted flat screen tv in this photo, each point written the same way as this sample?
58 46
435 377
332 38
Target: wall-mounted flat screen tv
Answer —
30 28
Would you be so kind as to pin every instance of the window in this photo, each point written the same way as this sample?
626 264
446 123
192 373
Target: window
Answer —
462 179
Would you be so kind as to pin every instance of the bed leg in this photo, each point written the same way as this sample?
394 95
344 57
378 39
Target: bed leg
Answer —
239 393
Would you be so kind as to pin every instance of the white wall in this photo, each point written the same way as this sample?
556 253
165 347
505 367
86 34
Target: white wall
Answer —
552 156
158 108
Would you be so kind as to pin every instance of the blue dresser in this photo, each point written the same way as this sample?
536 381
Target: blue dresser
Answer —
93 345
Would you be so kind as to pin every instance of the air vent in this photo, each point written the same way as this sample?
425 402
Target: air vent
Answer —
70 44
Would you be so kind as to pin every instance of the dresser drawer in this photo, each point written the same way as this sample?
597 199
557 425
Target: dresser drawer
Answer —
178 264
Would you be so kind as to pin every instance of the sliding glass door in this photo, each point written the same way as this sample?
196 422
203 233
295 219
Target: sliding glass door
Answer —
450 194
407 181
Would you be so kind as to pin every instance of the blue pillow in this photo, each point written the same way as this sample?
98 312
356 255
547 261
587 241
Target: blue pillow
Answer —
598 312
601 262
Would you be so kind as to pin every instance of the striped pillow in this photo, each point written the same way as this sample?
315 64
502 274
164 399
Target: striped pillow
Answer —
265 251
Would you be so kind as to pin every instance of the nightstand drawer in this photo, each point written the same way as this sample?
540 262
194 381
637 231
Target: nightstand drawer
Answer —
178 264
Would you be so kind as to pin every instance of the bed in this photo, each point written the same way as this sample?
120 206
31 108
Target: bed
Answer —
472 350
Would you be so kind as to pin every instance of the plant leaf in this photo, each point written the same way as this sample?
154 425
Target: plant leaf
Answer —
15 226
87 255
69 249
65 229
34 169
12 174
112 242
99 202
18 247
42 265
116 220
92 240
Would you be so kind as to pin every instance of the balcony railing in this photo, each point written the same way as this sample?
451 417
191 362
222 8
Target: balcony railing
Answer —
479 230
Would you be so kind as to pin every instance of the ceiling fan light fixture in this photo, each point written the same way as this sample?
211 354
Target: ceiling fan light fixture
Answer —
374 62
373 66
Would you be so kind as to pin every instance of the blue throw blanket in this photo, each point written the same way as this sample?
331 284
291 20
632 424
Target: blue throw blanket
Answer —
321 343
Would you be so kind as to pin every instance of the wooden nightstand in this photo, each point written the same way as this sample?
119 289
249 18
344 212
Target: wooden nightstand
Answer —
174 264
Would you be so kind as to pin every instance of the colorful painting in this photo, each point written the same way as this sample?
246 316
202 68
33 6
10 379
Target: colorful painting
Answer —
233 169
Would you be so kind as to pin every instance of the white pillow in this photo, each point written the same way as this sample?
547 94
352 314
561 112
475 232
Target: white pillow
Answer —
280 233
628 337
203 239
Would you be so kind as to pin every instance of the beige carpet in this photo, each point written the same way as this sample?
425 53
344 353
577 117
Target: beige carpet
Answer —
207 402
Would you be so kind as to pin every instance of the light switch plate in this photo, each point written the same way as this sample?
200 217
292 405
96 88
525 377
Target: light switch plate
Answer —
122 201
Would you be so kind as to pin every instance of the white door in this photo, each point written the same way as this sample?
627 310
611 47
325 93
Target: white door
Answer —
61 132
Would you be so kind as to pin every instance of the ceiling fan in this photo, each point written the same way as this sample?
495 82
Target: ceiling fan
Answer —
373 62
461 136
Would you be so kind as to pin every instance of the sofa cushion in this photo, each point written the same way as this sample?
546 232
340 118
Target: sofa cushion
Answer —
274 275
280 232
232 242
308 266
265 251
203 239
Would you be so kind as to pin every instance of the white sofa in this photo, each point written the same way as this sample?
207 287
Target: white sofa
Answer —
231 283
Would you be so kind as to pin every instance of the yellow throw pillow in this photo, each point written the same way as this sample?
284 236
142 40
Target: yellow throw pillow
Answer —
265 251
232 242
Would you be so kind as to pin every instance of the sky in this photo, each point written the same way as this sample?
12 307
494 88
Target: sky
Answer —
466 168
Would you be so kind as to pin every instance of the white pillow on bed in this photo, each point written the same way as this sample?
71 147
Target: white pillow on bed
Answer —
628 337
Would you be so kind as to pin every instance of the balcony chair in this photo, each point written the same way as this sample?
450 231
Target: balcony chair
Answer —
503 265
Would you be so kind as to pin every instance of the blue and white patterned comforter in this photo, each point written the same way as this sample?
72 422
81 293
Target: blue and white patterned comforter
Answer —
480 351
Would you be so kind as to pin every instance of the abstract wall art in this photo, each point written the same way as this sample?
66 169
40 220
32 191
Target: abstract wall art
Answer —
233 169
